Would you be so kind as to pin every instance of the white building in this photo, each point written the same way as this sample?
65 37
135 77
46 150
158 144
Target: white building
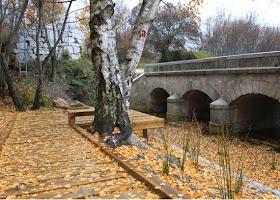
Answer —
72 40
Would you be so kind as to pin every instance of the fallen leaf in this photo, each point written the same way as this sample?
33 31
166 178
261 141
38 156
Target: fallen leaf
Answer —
96 135
101 193
116 196
196 195
58 196
237 196
124 188
47 188
3 187
33 181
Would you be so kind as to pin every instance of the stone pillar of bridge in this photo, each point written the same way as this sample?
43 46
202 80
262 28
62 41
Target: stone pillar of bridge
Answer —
219 115
174 108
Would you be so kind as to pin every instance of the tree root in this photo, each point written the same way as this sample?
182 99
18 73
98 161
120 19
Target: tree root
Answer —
133 140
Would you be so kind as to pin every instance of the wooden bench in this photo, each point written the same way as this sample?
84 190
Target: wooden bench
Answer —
140 122
79 112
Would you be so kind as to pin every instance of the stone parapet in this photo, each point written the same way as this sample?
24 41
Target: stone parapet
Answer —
263 59
255 70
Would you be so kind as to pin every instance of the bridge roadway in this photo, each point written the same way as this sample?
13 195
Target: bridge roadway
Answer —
239 91
44 158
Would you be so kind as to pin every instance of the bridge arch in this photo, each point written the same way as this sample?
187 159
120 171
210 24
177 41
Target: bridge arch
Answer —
196 102
257 111
205 88
159 84
271 90
159 101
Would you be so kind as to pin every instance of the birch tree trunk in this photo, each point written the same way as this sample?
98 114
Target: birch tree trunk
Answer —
115 79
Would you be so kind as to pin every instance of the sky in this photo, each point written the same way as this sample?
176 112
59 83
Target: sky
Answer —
268 11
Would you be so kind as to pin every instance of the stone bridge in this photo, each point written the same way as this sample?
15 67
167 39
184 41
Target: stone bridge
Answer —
239 91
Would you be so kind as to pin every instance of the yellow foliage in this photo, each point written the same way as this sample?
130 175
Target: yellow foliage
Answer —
3 187
96 135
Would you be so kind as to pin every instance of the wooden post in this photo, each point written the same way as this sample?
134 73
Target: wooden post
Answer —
71 119
145 133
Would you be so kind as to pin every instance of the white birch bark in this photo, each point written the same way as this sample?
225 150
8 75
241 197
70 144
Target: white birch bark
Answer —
139 34
103 35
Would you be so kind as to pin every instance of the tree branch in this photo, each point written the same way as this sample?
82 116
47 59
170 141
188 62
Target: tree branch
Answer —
15 30
139 33
60 35
66 1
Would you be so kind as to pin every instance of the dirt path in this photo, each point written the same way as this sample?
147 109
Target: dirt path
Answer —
45 158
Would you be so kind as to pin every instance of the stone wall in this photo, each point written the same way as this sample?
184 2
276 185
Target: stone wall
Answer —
72 40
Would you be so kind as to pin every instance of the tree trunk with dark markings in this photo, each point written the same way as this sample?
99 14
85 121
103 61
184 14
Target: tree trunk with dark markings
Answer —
5 50
114 78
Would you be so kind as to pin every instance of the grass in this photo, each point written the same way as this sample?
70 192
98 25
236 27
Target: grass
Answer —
229 184
186 147
195 140
144 61
166 156
192 142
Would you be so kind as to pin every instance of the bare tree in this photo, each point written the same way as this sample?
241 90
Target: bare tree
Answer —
124 27
171 29
11 15
42 65
228 36
55 12
52 19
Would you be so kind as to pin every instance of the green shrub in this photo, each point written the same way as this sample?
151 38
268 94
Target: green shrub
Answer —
46 100
66 54
72 66
83 53
202 54
144 61
26 95
94 97
77 82
177 55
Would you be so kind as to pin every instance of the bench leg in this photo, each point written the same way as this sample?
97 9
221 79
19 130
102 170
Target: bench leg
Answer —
145 133
72 121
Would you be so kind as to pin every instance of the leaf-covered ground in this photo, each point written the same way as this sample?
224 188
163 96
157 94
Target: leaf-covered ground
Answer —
195 182
44 158
201 182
